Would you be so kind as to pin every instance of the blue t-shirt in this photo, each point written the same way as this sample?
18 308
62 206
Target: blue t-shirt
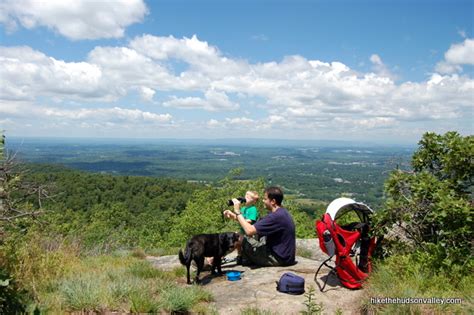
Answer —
279 229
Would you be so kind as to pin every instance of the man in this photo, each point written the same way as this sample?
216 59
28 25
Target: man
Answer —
277 243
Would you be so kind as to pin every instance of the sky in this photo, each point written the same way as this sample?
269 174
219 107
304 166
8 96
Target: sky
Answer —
379 70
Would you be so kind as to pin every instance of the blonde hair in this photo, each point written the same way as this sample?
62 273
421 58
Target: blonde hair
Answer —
254 195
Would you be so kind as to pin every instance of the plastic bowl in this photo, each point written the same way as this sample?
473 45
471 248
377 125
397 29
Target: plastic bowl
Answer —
233 275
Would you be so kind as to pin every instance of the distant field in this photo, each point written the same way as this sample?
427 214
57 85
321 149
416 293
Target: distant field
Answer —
314 174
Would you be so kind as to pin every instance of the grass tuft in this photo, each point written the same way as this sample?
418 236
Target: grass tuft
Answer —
177 299
82 294
144 302
144 270
256 311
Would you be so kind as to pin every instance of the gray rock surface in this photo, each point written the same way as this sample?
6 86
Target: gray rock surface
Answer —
257 288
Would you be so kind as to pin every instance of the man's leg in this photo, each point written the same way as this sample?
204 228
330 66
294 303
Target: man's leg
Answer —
256 252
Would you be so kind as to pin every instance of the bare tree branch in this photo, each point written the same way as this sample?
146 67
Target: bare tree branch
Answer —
16 193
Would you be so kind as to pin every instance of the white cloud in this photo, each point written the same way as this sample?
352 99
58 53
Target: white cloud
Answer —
213 123
380 68
146 93
191 50
375 122
240 121
28 110
74 19
213 101
447 68
205 62
115 114
456 56
27 73
461 53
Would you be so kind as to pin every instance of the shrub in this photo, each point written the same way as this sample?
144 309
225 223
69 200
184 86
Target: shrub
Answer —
12 300
430 206
37 261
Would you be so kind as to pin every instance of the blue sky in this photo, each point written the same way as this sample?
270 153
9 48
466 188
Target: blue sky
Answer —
383 71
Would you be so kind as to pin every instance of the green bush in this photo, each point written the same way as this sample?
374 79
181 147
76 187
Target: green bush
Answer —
429 220
431 207
12 299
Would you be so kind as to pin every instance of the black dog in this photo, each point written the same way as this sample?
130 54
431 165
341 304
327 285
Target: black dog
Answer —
207 245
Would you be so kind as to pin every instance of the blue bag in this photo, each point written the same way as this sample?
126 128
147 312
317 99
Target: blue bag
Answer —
291 284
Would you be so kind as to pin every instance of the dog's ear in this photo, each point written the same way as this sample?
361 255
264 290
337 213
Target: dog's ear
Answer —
222 238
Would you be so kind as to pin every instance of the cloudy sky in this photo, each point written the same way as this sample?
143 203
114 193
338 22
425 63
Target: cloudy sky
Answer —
382 71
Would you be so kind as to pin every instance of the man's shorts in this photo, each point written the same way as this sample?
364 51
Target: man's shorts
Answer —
256 252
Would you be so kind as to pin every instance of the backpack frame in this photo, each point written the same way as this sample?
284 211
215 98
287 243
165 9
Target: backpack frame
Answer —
344 242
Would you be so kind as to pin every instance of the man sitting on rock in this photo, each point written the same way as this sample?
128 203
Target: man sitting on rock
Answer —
276 244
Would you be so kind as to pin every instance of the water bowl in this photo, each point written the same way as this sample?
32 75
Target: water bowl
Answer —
233 275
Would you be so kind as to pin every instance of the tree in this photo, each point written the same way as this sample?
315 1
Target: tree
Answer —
15 193
449 157
203 212
431 206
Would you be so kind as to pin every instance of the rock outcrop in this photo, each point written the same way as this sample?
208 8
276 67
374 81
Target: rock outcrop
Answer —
257 287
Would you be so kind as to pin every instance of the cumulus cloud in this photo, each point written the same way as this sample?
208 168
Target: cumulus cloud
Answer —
27 73
456 56
74 19
461 53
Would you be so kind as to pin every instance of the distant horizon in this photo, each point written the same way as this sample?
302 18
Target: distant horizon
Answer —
222 141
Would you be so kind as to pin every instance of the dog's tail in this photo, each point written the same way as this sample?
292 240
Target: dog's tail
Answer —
184 258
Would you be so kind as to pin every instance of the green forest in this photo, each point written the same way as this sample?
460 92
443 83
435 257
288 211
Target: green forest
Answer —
311 172
60 224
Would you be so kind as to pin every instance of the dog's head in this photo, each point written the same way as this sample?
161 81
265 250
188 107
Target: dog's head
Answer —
229 240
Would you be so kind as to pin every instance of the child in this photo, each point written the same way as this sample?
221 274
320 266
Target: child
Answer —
249 212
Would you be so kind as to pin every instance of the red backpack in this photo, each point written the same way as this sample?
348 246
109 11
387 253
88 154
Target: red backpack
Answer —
345 242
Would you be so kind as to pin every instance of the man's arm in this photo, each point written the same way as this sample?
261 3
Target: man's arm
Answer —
248 228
